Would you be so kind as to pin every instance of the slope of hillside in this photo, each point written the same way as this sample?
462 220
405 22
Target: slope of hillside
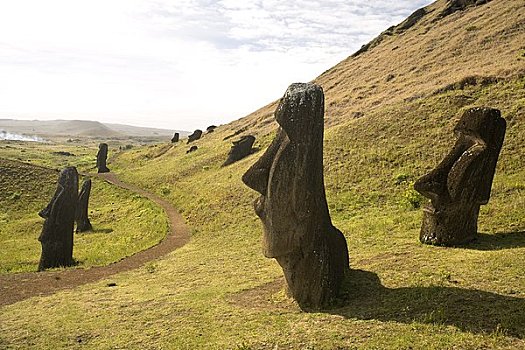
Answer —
219 292
473 46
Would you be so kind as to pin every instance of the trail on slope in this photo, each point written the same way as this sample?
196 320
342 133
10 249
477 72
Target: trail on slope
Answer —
20 286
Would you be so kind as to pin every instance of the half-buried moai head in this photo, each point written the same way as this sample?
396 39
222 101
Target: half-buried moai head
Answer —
462 182
175 138
102 157
240 149
57 234
298 231
195 136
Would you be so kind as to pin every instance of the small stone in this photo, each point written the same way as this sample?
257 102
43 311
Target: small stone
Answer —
192 149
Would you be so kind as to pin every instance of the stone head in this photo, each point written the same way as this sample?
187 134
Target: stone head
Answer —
289 175
466 173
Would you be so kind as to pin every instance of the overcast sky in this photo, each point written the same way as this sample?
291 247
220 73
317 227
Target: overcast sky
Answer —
180 64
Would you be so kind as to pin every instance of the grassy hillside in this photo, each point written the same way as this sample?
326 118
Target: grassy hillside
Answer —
479 44
26 189
219 292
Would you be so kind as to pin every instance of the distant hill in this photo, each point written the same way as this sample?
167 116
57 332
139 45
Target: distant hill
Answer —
81 128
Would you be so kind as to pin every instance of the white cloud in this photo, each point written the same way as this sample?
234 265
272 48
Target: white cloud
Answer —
176 64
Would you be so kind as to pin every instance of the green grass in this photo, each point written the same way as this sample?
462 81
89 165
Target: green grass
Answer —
219 292
46 154
27 189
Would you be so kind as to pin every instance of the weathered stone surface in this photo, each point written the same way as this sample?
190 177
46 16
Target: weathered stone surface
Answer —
211 128
462 182
298 231
192 149
175 138
102 157
57 234
240 149
195 136
81 217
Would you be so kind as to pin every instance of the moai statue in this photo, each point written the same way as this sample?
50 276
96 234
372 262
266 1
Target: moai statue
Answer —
195 136
298 231
211 129
81 217
175 138
240 149
102 156
57 234
462 182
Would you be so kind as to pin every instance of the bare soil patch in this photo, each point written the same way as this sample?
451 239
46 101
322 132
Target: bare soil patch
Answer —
269 296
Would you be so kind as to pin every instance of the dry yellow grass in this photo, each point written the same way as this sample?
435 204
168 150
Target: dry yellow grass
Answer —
485 41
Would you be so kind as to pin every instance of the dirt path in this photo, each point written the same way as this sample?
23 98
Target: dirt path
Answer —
20 286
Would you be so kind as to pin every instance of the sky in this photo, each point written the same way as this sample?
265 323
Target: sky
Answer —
179 64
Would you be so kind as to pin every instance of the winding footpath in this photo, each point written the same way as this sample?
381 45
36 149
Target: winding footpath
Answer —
20 286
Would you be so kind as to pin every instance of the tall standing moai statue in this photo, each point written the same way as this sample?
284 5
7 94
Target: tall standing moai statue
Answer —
175 138
298 231
57 234
462 182
102 157
81 217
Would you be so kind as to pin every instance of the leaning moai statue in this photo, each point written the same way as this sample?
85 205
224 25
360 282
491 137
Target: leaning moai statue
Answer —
298 231
102 157
81 217
195 136
240 149
462 182
175 138
57 234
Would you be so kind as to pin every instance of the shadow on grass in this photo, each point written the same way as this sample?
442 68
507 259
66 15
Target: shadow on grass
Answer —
497 241
469 310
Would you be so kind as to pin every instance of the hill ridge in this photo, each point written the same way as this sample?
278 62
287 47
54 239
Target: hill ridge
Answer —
430 54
